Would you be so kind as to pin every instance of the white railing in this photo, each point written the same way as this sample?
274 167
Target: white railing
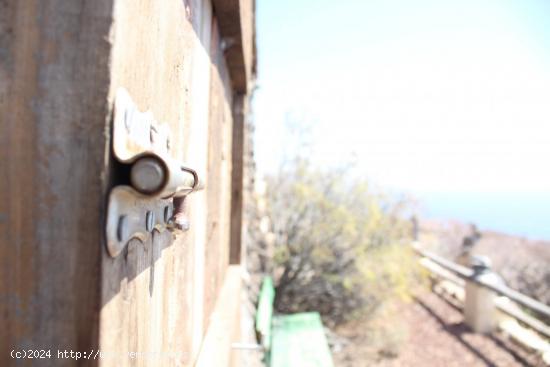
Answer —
478 290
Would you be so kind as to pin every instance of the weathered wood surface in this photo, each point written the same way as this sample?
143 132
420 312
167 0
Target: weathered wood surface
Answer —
219 173
61 64
237 178
152 295
238 37
54 80
217 348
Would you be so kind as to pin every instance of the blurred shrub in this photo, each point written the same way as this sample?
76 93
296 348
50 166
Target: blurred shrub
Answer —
340 247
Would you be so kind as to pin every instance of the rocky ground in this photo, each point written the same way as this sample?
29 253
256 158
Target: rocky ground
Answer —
427 332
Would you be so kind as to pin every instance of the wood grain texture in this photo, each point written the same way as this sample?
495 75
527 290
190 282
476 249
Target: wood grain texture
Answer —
52 148
237 177
61 64
153 294
237 27
217 346
219 175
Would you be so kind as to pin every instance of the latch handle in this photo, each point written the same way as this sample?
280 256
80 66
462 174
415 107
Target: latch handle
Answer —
163 177
153 193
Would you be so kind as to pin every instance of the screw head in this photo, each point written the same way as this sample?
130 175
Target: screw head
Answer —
149 221
182 223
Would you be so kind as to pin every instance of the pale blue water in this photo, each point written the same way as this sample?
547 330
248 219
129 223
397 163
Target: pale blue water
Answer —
524 214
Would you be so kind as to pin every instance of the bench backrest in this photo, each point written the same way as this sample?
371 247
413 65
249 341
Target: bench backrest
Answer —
264 313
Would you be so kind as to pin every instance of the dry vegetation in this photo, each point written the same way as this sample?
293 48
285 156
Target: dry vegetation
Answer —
340 248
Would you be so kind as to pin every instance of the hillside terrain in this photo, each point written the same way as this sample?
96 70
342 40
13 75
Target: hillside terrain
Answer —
427 330
523 263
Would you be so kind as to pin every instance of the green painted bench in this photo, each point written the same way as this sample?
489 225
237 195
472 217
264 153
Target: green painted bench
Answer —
296 340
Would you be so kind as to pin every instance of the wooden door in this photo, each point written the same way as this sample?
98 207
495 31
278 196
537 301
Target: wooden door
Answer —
61 64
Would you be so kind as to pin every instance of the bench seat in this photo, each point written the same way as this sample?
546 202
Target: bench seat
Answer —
296 340
299 340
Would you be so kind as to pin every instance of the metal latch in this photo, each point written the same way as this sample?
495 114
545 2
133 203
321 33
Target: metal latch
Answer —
151 186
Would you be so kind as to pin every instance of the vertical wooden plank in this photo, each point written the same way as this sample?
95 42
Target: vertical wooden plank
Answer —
216 349
198 157
218 190
239 105
236 23
149 292
161 55
54 80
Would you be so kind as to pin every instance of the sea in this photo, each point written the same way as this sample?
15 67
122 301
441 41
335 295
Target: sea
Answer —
525 214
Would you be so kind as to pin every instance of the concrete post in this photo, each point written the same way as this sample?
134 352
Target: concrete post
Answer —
479 308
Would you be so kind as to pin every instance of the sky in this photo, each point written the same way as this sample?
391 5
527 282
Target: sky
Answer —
446 100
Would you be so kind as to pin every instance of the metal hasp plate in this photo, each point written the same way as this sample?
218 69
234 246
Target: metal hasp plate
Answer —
150 178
